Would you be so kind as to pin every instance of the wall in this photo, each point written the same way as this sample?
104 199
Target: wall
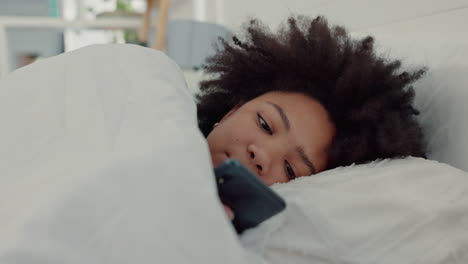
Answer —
43 42
24 7
423 18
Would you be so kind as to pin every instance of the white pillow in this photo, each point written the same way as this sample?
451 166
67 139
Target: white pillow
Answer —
393 211
101 161
442 101
441 95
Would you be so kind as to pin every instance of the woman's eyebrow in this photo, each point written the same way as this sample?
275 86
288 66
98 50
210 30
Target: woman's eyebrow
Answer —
282 114
306 160
299 149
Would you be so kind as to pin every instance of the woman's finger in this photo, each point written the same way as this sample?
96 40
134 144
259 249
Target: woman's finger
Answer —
229 212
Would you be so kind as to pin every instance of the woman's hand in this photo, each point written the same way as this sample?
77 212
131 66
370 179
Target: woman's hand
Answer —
229 212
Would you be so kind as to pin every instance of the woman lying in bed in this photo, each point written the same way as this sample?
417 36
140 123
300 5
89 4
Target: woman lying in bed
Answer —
306 99
102 161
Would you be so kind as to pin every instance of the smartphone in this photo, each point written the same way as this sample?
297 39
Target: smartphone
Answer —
251 200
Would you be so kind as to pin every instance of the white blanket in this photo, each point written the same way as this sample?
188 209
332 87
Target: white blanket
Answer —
101 161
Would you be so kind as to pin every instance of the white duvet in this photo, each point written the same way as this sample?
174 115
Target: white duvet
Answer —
101 161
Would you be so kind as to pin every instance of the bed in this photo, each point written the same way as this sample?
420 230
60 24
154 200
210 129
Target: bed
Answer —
102 162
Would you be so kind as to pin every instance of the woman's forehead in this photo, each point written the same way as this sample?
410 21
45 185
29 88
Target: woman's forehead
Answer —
292 102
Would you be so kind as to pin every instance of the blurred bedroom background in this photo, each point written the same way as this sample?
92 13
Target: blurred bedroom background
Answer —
31 30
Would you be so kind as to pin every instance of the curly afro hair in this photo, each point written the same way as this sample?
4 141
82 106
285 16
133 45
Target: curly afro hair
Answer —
368 98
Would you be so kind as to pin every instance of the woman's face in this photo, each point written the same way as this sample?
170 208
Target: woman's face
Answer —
278 135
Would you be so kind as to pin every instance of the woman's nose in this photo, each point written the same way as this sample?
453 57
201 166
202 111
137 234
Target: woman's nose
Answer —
259 159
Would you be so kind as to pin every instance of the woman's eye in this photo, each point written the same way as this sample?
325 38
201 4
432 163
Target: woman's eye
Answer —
289 171
264 124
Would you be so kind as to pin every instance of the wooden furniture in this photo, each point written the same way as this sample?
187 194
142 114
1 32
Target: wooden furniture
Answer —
161 25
